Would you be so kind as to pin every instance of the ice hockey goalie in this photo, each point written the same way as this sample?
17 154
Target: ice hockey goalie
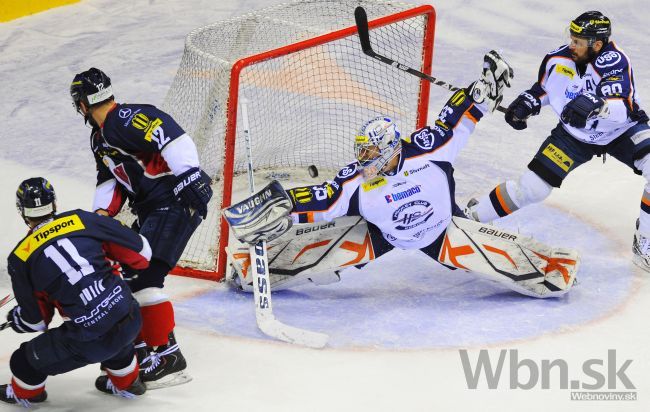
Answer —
399 193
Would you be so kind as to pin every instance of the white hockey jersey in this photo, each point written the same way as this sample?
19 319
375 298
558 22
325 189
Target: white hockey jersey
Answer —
413 206
609 76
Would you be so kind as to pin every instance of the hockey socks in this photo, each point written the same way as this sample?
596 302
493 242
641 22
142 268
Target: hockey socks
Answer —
157 316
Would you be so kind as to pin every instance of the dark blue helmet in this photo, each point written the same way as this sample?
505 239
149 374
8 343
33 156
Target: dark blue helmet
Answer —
592 25
90 87
35 198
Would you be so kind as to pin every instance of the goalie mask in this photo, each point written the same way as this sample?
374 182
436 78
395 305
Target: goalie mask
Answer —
35 198
377 143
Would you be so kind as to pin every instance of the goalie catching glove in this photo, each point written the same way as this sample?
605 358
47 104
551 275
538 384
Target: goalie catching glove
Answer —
263 216
496 76
193 190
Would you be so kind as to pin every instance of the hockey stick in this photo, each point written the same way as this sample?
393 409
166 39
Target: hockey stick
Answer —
266 321
361 19
3 302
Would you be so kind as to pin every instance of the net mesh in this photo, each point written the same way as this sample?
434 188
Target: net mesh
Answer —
304 106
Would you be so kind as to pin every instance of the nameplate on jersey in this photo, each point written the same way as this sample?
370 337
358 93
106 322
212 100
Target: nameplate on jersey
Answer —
52 230
558 157
566 71
371 184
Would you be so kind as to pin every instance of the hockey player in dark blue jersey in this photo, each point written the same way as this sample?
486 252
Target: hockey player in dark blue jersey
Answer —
63 263
144 156
589 83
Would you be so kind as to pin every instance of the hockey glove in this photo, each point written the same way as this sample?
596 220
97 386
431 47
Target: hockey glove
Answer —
524 106
262 216
495 77
19 325
193 190
582 108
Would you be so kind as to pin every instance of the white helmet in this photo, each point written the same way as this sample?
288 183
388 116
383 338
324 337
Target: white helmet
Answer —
376 144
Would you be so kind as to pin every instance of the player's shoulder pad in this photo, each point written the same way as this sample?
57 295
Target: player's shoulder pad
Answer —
426 139
553 58
611 62
64 224
562 51
348 172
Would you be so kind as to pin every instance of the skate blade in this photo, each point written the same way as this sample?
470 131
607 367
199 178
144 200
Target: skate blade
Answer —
640 262
173 379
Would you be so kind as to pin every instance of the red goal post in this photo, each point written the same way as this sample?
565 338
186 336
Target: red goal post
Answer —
308 81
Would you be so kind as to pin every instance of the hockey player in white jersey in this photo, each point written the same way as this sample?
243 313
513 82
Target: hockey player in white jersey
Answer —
589 84
402 187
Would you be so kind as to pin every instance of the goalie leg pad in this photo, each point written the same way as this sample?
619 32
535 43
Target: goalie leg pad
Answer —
519 262
310 253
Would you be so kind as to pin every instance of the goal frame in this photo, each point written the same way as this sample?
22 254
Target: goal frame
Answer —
233 101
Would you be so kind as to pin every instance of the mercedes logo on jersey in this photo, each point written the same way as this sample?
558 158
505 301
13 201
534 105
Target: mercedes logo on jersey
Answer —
412 214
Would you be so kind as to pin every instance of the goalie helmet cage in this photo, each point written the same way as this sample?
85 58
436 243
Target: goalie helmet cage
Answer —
308 86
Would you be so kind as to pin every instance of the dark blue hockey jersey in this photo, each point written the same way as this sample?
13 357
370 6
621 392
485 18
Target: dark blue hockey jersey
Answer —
139 151
63 264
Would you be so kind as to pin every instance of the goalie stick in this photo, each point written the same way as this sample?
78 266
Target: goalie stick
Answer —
264 316
361 19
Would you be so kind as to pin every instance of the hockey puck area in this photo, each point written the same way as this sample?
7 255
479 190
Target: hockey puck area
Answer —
419 306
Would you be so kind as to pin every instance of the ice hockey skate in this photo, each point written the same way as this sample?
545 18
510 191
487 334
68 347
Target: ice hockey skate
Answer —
7 395
104 384
641 251
165 366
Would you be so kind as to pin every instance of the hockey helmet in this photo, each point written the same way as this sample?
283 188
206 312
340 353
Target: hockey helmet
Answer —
376 144
90 87
591 25
35 198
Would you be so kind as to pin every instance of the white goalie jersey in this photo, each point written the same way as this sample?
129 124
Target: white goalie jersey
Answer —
413 206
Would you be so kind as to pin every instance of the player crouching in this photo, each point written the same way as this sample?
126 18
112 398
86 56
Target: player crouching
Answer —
398 194
63 263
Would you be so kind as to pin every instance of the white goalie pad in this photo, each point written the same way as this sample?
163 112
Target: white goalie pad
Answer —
311 252
517 261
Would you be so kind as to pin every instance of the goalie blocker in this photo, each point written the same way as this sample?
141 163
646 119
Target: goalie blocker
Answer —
316 252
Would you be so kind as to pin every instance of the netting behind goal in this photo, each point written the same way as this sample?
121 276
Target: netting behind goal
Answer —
308 88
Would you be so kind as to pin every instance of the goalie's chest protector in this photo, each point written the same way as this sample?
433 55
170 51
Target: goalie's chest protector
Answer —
411 208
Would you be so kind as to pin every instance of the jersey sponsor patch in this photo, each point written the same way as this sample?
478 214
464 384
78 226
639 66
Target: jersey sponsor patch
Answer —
54 229
608 59
378 181
347 171
124 113
419 169
565 71
424 139
412 214
301 195
558 157
403 194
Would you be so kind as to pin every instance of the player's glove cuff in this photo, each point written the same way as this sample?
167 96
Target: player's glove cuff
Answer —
20 325
193 190
584 107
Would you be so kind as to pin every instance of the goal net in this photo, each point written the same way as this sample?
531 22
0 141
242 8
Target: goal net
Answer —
308 87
